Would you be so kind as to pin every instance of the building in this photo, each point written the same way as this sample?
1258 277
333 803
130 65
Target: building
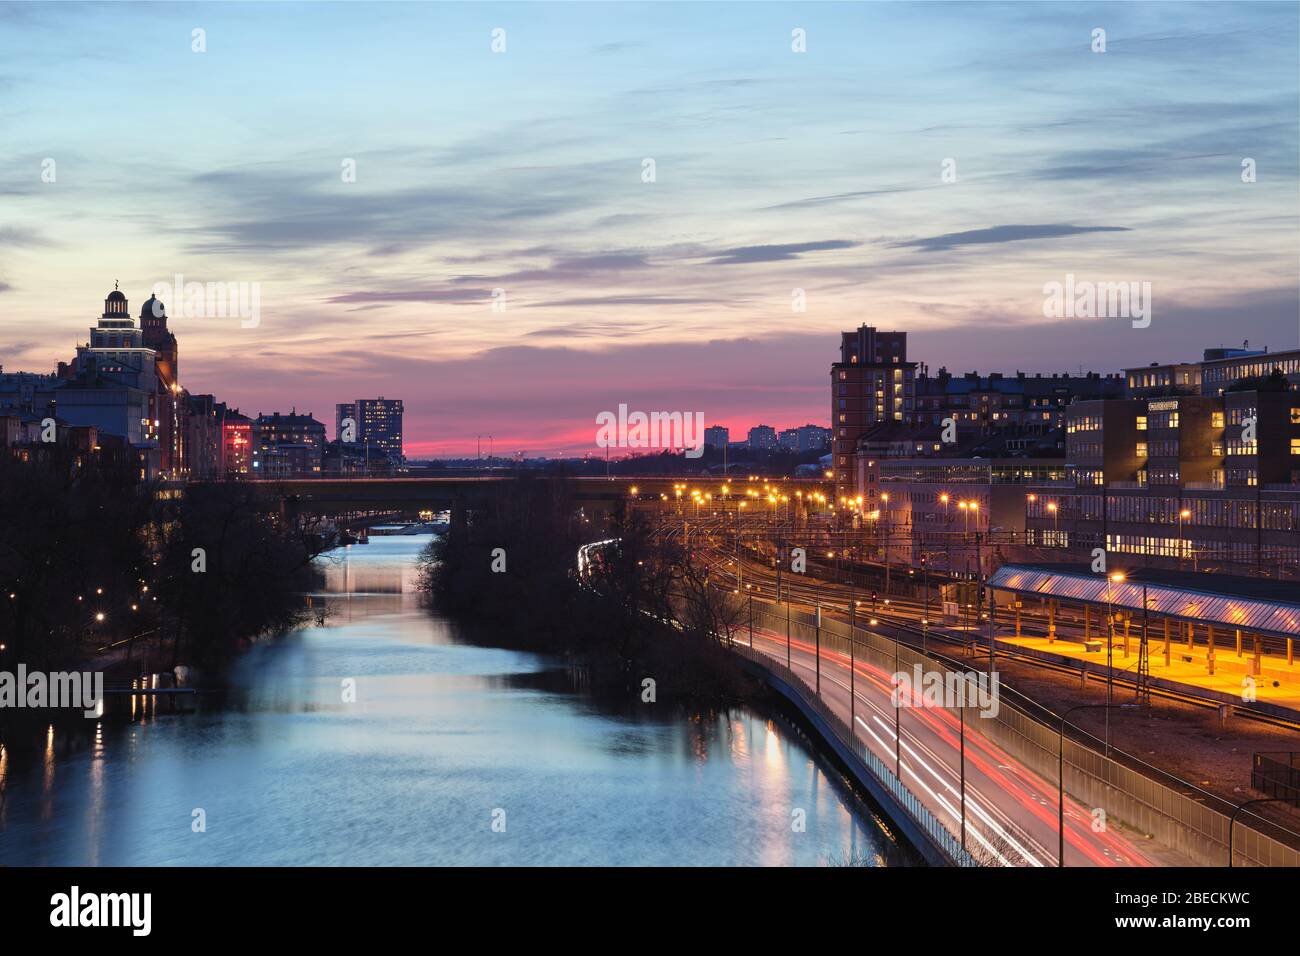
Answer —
379 425
343 459
376 423
287 446
1199 469
203 436
985 405
345 412
1223 368
717 436
805 438
124 383
238 451
762 438
171 406
873 382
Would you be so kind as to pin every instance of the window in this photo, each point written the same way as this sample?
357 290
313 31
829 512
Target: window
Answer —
1141 423
1295 446
1216 419
1295 416
1141 449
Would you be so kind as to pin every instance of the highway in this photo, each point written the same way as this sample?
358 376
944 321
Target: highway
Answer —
1011 813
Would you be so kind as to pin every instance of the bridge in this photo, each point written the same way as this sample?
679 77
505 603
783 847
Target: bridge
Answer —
346 495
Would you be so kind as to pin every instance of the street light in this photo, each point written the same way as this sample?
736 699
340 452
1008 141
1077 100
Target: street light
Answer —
1184 513
1115 578
1060 775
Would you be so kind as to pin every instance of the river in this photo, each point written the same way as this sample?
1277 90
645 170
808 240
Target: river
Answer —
451 753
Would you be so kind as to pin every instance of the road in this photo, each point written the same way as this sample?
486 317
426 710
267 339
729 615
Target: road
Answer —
1011 813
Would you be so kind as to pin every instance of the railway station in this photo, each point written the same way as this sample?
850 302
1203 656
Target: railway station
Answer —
1231 637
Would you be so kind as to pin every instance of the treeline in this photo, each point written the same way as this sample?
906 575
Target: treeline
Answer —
101 571
509 573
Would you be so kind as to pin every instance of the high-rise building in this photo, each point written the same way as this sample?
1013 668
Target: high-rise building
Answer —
873 382
716 436
762 438
345 412
379 425
376 423
805 438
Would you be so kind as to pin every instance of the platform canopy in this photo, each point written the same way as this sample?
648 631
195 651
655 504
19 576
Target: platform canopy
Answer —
1251 604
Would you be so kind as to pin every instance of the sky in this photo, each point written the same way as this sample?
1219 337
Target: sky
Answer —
926 167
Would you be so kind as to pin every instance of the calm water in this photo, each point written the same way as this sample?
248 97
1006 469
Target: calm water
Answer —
443 736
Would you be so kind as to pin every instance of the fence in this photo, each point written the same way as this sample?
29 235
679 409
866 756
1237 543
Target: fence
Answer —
948 844
1277 775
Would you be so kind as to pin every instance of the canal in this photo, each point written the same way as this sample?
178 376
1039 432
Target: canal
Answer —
380 738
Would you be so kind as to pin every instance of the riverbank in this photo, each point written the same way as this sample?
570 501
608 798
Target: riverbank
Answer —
440 734
105 574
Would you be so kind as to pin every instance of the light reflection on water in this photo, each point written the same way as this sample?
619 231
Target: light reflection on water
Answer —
441 735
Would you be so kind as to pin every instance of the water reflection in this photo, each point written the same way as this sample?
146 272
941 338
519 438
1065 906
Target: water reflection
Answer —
379 738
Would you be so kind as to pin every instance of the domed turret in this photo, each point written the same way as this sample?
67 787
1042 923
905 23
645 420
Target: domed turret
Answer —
115 306
153 309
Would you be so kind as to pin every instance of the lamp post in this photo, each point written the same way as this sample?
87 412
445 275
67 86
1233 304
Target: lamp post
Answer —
888 536
1060 777
1115 578
1232 820
925 586
1056 524
853 624
1183 513
947 540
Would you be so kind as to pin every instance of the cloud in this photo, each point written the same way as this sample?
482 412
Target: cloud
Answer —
998 234
618 46
776 253
459 296
622 300
15 236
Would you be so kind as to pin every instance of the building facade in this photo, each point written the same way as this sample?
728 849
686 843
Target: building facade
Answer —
873 382
287 446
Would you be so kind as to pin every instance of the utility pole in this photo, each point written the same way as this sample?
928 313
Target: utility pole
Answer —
787 636
818 654
853 639
1144 666
988 586
961 710
738 581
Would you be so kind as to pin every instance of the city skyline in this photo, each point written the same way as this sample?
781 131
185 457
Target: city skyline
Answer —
774 172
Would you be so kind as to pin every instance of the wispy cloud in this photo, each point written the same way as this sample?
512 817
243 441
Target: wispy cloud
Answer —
999 234
779 252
